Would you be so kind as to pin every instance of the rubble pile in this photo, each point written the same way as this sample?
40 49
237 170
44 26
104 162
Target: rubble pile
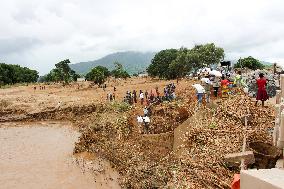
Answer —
167 117
272 82
148 160
143 160
221 132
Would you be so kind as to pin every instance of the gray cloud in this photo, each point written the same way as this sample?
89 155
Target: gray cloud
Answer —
40 33
17 45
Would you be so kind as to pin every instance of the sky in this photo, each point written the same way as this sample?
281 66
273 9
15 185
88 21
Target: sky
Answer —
38 34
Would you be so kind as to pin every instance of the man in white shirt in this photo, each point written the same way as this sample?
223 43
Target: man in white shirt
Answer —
141 98
199 92
146 121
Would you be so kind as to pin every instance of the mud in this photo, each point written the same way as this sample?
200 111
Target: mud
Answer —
40 155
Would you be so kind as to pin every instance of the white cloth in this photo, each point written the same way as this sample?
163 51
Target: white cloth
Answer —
206 80
146 119
199 88
139 119
206 70
216 73
141 95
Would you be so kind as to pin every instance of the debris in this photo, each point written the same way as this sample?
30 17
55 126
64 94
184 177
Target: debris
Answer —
272 82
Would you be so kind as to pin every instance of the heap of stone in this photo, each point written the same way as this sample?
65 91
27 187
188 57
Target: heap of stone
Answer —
272 83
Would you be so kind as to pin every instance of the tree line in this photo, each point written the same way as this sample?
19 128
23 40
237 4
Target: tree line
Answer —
176 63
166 64
63 73
12 74
99 74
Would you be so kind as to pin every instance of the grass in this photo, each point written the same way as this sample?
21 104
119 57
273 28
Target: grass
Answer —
120 106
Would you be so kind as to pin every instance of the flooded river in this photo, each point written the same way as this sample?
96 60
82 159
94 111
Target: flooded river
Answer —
39 155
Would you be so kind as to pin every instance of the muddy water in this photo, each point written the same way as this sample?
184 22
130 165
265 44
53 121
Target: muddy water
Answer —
40 156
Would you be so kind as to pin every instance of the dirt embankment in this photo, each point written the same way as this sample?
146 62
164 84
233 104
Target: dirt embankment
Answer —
148 160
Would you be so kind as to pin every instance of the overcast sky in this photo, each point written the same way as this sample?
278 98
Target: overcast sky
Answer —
39 34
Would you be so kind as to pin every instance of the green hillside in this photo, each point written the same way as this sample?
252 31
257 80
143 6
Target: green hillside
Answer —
132 61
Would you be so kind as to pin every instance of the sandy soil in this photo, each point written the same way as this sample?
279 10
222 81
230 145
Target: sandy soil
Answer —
29 100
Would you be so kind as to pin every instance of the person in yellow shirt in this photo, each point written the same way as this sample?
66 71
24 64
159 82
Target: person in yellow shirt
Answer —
239 81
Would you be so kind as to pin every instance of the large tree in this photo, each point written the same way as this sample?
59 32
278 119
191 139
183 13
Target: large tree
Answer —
61 72
250 63
64 70
180 66
160 64
172 63
205 55
98 74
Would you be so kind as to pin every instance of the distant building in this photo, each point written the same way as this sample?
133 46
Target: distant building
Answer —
143 74
81 79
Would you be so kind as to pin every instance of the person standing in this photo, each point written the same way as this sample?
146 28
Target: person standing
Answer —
199 93
135 96
225 86
207 87
146 94
146 121
145 110
261 91
141 97
239 81
216 85
113 96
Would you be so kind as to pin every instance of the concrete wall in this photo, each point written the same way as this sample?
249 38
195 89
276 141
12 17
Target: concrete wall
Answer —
262 179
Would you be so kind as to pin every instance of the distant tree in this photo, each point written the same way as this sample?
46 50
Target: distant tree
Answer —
119 72
159 66
250 63
98 74
11 74
105 71
74 75
61 72
64 70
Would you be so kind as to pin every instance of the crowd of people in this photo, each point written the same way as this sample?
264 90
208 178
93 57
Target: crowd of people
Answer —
40 87
221 83
148 99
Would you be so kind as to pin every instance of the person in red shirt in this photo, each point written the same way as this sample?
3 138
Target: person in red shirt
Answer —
224 86
261 92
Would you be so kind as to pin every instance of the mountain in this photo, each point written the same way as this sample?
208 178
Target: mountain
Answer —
132 61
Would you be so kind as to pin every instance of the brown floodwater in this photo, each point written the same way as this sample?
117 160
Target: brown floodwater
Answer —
39 155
